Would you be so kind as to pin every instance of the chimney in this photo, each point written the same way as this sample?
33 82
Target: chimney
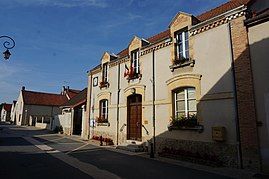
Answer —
23 88
63 90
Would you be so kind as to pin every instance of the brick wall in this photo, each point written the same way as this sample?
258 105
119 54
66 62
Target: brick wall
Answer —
245 96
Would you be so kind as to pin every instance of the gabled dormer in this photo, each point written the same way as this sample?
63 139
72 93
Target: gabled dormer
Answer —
105 60
181 50
134 71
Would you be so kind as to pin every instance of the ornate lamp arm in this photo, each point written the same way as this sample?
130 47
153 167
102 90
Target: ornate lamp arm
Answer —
9 43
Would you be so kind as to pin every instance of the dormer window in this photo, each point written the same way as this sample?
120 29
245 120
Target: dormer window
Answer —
104 82
182 46
105 74
135 62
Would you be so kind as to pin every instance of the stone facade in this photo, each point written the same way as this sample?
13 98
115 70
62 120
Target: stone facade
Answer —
219 70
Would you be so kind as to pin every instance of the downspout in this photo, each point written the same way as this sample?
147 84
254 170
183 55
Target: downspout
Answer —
90 108
235 98
153 99
118 101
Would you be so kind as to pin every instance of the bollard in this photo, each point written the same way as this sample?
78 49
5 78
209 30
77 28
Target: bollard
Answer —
151 150
101 141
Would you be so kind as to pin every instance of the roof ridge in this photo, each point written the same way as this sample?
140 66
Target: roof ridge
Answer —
210 10
43 93
213 12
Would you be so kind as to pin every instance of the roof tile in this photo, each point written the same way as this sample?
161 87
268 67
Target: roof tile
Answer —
7 107
40 98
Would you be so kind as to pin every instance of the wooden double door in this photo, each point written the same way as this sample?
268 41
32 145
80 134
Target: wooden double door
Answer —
134 117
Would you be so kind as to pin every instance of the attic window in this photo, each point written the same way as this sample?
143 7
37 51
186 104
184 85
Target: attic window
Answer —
182 45
105 73
104 82
182 56
135 61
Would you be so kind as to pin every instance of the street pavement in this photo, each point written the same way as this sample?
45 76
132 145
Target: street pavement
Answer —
27 152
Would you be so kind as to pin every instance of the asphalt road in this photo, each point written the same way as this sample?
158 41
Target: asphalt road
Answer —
26 152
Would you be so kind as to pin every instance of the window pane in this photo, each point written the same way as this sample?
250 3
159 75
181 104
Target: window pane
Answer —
180 47
179 114
186 45
186 35
187 54
180 37
192 105
191 93
180 95
180 105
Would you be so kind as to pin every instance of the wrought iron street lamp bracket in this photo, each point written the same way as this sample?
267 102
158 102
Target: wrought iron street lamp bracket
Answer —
9 43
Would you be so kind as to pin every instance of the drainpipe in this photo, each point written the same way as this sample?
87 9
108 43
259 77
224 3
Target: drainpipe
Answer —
235 98
153 99
118 101
90 108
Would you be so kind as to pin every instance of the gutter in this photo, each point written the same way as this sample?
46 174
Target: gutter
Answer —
118 101
153 100
89 109
257 20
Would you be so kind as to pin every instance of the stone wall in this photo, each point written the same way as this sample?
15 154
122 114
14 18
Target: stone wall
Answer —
212 153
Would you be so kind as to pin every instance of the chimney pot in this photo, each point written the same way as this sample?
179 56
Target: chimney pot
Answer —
23 88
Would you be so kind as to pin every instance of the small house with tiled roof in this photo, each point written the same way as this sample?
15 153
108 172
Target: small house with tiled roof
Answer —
38 108
73 112
5 112
189 90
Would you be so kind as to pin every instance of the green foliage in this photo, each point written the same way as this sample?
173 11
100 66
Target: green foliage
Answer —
183 121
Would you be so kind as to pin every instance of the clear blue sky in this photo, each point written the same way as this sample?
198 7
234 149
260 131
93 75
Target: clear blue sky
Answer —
57 41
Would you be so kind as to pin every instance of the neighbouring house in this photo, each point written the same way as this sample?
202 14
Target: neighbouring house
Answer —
38 108
5 112
258 37
12 116
191 90
73 112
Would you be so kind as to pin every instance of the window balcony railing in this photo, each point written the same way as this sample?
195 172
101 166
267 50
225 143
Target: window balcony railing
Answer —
103 84
134 76
181 62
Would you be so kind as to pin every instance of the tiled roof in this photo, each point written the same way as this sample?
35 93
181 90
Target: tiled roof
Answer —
40 98
153 39
72 92
202 17
123 53
160 36
222 8
7 107
80 98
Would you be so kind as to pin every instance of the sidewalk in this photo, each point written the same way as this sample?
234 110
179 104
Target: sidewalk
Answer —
230 172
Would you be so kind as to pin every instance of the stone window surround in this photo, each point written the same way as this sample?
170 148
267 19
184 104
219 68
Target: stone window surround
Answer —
181 81
103 96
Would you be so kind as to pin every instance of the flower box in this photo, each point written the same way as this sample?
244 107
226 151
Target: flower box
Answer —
178 63
185 123
104 84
